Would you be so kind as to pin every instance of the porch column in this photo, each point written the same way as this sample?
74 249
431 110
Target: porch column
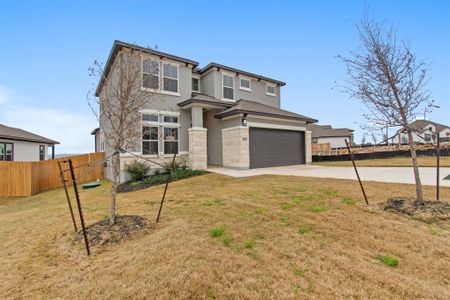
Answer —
197 140
308 150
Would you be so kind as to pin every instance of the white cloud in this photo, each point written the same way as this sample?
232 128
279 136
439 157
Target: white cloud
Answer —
72 130
5 94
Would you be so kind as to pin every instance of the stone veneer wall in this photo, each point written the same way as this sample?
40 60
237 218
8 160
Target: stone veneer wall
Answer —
198 148
308 150
235 147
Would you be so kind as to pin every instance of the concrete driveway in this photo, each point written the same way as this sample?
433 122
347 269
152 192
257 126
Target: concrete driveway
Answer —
381 174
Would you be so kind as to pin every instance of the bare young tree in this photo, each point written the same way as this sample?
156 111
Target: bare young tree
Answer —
118 105
386 77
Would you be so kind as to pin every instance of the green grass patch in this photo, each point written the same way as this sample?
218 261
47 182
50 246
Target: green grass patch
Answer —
434 230
302 198
298 272
226 241
328 192
249 245
388 260
317 209
284 219
304 229
214 202
348 201
217 231
285 206
261 210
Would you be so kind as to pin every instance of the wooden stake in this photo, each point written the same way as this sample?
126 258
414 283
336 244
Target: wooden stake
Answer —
77 197
356 170
64 182
165 189
438 158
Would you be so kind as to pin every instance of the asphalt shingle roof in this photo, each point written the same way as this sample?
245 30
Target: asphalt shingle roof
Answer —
256 108
328 131
12 133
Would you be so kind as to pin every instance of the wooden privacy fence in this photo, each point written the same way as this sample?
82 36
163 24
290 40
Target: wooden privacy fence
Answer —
28 178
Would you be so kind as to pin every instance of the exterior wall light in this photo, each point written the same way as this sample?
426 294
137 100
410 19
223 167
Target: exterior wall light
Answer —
244 121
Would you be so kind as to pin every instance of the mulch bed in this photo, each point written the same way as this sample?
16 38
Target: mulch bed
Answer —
102 234
128 187
429 211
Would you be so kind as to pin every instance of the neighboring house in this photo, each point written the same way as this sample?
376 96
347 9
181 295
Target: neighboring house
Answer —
425 133
215 115
20 145
322 134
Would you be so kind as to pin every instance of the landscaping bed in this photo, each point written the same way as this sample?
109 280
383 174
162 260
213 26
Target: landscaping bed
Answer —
429 211
153 180
101 233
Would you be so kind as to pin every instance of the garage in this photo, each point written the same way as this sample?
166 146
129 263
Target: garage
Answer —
274 147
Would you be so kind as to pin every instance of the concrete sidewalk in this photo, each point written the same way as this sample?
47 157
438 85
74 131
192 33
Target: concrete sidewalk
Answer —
381 174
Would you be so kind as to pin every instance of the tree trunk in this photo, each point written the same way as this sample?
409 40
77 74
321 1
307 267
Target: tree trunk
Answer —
115 181
412 149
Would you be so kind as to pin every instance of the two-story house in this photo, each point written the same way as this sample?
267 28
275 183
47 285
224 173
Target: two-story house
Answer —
215 115
425 132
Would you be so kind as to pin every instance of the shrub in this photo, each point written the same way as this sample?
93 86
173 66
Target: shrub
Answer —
137 170
217 231
178 164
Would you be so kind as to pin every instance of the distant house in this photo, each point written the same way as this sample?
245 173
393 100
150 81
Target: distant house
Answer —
20 145
321 134
425 132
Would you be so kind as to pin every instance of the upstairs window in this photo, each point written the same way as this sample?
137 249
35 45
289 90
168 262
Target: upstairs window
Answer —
170 78
228 87
41 152
195 85
6 152
150 74
245 84
270 90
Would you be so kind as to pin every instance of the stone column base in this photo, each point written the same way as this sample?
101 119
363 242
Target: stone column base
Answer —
197 148
235 147
308 146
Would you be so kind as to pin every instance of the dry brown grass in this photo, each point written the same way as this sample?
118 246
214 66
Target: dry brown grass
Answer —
335 257
424 161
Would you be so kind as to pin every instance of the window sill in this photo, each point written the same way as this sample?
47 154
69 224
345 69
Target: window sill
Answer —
245 89
160 92
228 100
272 95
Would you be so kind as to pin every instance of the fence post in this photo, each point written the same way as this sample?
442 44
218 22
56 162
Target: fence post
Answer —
356 170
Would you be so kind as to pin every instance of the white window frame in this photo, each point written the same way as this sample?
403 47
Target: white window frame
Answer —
223 86
164 140
198 79
247 89
161 76
165 62
160 125
142 74
274 88
142 139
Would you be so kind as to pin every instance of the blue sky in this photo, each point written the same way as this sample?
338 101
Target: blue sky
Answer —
47 46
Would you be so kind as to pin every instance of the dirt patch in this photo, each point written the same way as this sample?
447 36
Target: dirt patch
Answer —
429 211
102 234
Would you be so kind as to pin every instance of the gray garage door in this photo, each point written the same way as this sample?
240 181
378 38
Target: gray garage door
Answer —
273 147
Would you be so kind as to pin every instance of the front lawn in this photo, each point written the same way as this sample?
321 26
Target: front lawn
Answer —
265 237
424 161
